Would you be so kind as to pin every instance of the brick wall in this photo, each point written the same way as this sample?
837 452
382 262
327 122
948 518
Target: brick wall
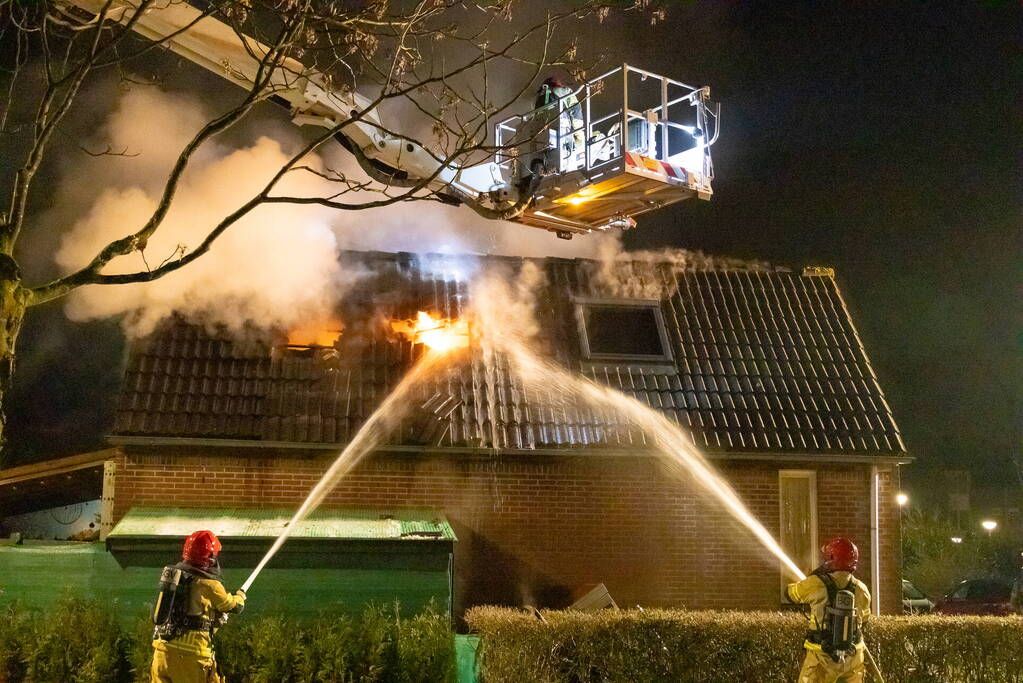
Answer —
890 538
531 528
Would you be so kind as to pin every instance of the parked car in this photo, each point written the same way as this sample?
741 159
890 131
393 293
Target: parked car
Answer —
977 596
914 601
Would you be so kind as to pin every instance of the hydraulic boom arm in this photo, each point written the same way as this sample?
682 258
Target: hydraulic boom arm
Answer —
619 170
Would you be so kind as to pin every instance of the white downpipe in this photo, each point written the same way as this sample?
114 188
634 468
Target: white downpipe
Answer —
875 540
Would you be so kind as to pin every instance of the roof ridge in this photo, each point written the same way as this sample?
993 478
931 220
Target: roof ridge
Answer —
696 260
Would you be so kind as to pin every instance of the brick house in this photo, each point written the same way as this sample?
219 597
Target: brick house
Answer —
763 367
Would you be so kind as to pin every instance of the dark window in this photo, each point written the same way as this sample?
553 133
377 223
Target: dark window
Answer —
632 331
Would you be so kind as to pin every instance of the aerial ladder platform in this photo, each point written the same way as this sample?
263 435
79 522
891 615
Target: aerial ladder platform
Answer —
621 144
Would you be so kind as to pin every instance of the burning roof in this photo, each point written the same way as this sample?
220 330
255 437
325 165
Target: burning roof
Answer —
749 360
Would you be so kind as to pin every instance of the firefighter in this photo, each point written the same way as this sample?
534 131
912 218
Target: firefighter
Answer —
191 606
839 606
556 94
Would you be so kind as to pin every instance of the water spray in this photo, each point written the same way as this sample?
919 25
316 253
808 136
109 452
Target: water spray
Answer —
369 436
675 447
671 443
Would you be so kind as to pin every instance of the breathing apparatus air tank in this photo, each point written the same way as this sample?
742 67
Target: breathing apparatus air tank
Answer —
841 625
170 581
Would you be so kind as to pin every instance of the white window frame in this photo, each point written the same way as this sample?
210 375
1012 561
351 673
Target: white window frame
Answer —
810 476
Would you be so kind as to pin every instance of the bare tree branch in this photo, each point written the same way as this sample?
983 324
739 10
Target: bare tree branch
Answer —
46 124
108 152
462 119
313 55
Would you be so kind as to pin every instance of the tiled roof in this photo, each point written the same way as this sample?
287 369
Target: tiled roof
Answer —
763 362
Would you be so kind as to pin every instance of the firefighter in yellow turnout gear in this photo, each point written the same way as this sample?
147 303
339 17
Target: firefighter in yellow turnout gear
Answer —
192 604
839 606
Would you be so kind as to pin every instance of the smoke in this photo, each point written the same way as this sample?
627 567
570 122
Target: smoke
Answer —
650 274
503 301
276 267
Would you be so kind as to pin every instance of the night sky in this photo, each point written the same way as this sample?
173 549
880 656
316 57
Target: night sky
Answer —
883 141
880 139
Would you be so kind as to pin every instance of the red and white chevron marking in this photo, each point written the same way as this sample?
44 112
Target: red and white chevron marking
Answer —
638 161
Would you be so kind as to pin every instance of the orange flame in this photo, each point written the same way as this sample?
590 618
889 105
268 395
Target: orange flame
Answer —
439 334
321 333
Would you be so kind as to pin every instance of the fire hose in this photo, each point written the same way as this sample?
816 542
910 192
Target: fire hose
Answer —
871 663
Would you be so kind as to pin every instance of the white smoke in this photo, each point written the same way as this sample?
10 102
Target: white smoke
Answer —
276 267
650 274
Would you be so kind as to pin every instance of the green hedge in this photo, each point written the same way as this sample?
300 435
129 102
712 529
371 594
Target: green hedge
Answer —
726 647
80 641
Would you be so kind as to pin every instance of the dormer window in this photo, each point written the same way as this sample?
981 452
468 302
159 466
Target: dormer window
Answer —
622 330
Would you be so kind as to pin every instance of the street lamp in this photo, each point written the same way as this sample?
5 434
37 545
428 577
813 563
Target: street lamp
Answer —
989 525
901 499
957 539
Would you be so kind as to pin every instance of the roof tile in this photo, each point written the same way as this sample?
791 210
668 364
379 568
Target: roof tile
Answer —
763 361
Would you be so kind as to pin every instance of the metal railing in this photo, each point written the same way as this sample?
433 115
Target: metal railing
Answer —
564 136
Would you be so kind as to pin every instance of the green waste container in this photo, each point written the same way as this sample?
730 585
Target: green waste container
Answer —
466 650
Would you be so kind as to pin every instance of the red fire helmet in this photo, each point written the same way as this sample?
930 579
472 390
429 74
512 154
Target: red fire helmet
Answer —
841 555
200 548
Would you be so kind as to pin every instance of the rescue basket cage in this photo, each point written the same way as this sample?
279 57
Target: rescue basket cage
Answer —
628 121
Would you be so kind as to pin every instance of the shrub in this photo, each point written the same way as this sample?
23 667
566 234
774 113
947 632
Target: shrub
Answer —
80 641
15 627
372 646
722 647
377 646
425 648
937 649
261 651
321 658
76 641
138 649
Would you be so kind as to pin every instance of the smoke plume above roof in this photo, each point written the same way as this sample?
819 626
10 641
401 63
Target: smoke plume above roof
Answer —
276 267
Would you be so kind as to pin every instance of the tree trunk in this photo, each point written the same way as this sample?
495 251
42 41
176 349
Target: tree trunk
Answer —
13 301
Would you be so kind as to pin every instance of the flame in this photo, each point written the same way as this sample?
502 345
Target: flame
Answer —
439 334
321 333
